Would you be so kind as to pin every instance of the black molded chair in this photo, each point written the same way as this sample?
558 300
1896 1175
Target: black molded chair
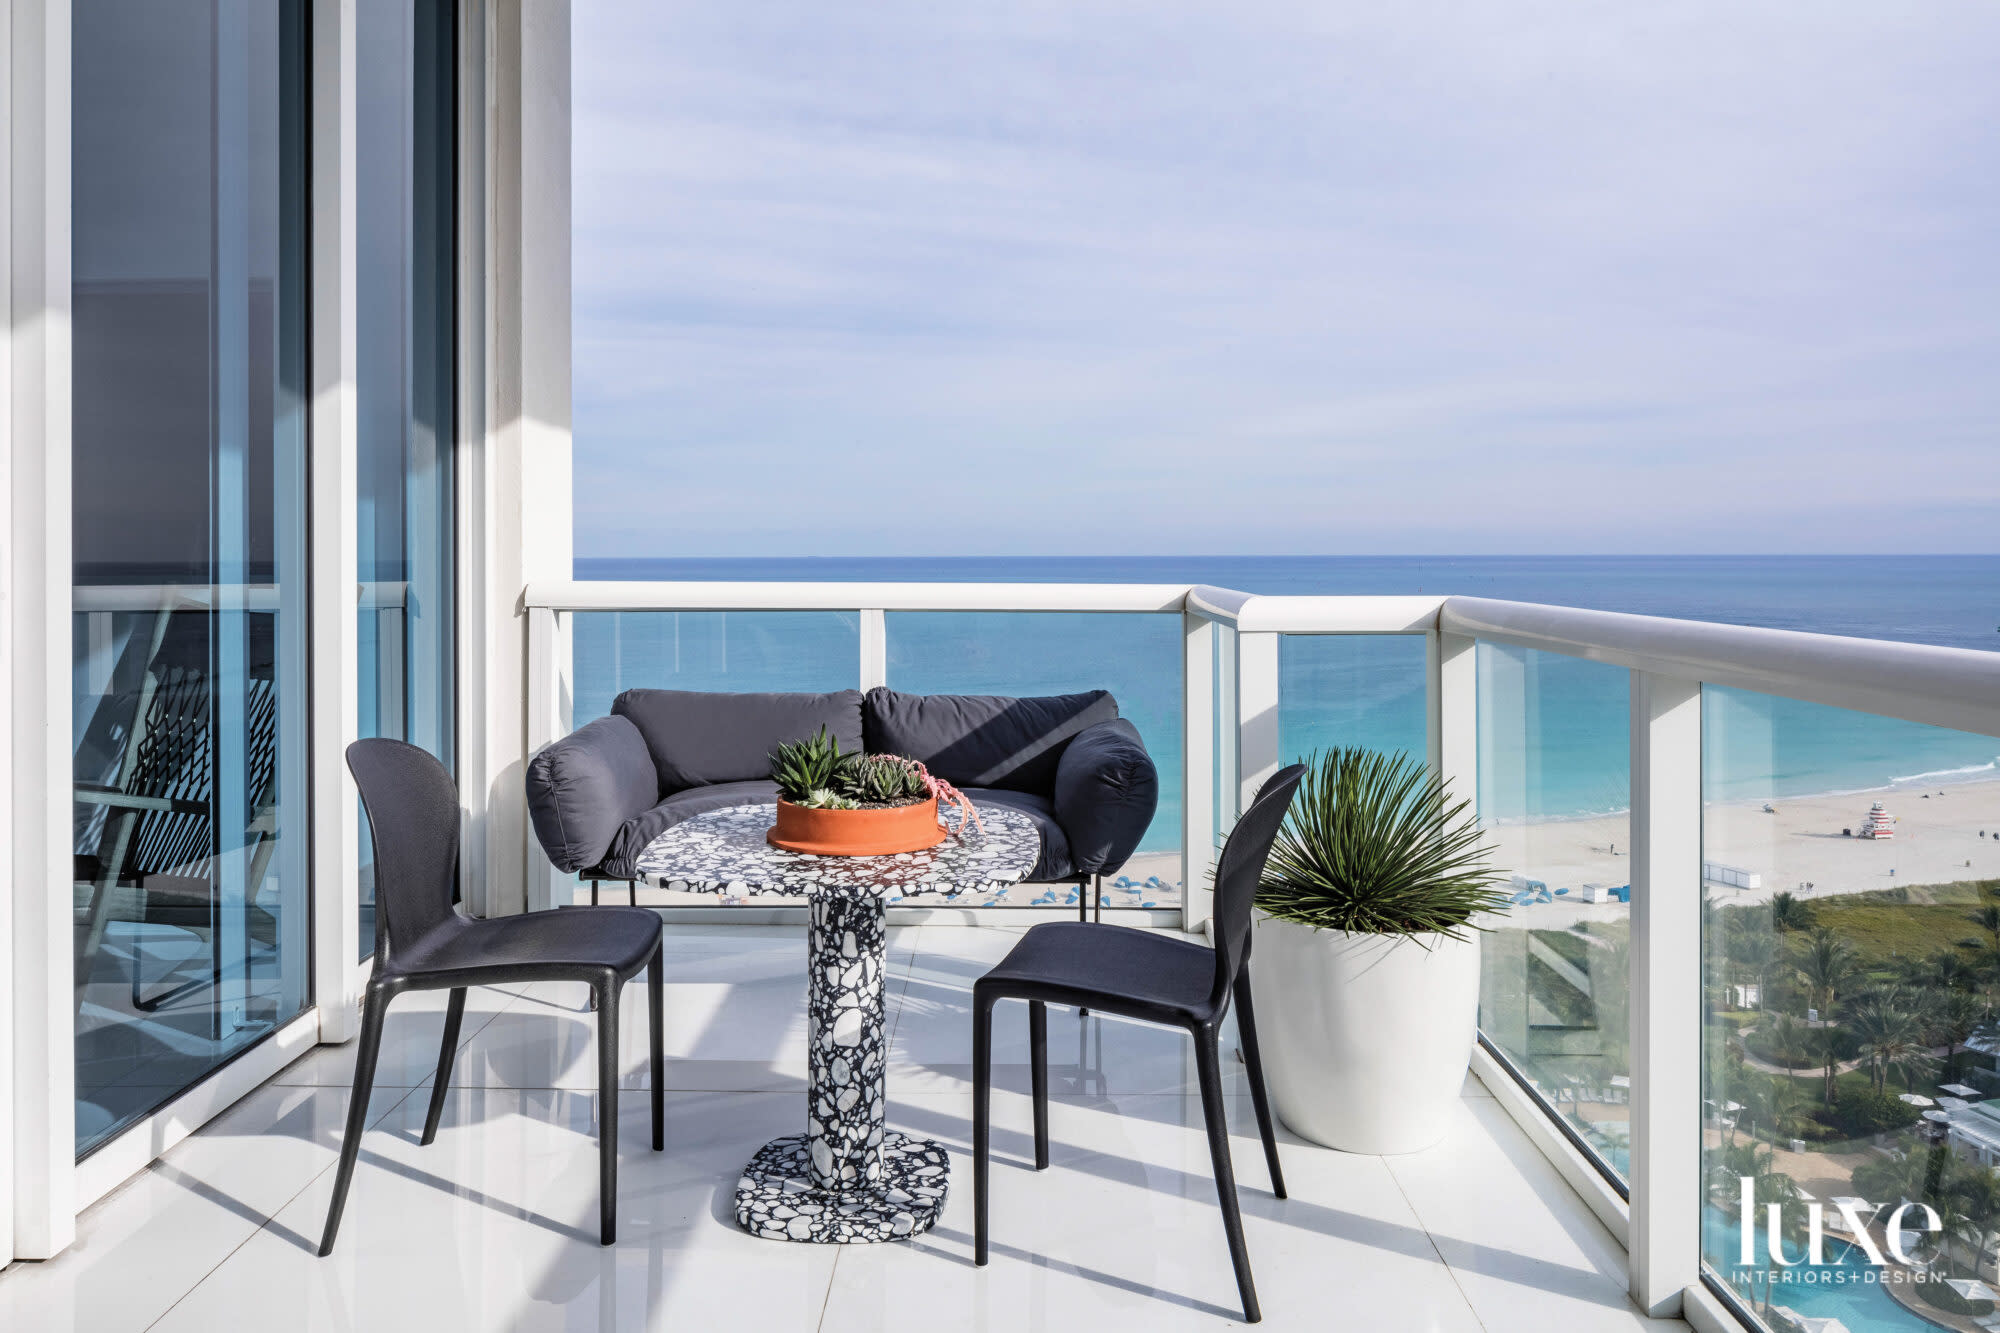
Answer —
1154 978
422 944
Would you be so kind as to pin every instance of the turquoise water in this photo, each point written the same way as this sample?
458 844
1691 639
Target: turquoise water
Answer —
1351 690
1838 1290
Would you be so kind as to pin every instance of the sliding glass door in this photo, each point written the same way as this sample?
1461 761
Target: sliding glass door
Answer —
404 305
190 893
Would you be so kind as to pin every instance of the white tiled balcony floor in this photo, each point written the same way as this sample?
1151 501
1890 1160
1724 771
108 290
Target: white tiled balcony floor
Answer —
494 1225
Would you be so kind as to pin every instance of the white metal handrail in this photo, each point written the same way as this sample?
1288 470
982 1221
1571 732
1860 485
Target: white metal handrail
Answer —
1946 687
613 595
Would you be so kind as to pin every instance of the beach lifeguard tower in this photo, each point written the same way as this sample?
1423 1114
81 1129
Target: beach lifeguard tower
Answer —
1879 824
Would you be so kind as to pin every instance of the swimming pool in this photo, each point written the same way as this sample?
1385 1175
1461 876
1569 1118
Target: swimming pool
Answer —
1841 1292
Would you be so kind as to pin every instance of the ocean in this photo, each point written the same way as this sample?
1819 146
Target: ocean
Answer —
1553 728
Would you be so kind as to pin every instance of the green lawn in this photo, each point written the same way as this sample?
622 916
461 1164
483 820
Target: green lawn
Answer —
1905 923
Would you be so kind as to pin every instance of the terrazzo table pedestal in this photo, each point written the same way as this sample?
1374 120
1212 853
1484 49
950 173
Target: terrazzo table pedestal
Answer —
847 1179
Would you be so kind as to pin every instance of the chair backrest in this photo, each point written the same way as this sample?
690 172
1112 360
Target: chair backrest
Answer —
413 818
1240 867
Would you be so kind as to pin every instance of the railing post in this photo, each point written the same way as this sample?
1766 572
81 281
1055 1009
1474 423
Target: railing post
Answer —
1256 714
1665 1248
1454 714
550 714
1197 767
874 648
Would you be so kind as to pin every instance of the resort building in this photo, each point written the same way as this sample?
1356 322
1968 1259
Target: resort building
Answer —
285 451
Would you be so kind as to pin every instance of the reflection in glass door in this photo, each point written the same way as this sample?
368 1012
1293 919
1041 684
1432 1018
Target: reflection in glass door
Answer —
190 895
404 191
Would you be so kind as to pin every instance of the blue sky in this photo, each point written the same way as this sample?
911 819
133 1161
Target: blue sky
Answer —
1244 278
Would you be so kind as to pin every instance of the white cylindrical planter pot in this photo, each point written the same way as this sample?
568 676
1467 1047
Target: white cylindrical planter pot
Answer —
1365 1038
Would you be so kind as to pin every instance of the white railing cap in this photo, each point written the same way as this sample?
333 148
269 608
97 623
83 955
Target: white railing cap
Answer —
1945 687
616 595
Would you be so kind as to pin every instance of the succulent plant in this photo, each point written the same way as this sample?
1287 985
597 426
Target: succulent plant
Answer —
880 779
804 767
814 773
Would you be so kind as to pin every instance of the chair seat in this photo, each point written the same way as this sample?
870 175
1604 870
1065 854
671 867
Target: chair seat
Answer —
1110 967
572 940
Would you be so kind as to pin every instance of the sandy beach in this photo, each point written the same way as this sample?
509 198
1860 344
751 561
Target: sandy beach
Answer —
1937 840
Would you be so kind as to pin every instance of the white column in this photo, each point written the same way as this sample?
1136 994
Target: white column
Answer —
1197 769
1664 1249
874 648
37 1012
520 483
336 643
1256 713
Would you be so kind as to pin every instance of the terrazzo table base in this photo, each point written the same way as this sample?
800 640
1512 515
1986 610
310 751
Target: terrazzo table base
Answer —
847 1179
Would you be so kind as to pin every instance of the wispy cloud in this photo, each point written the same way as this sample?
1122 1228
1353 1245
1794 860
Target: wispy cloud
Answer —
1159 277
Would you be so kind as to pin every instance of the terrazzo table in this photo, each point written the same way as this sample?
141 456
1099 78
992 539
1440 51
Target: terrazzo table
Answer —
846 1179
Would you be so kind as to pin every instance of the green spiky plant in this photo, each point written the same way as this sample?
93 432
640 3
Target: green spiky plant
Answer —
808 772
884 780
1373 845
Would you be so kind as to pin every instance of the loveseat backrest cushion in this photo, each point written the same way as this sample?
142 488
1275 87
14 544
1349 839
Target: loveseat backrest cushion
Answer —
983 740
699 738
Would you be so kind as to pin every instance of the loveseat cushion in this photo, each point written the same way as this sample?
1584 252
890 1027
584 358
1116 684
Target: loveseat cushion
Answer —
699 739
1054 865
584 787
983 740
621 858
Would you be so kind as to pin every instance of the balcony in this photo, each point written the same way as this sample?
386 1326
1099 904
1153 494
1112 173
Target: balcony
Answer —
1648 1010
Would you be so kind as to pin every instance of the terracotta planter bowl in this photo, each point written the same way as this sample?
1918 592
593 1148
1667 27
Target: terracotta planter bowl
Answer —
903 828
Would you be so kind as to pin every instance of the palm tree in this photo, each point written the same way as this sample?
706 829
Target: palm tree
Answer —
1987 919
1824 967
1891 1029
1789 912
1955 1017
1756 950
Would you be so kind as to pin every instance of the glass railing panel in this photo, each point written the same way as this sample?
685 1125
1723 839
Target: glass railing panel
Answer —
1555 801
1851 944
737 652
1364 690
1137 657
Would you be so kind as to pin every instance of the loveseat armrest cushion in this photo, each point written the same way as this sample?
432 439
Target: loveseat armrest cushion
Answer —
1106 791
584 787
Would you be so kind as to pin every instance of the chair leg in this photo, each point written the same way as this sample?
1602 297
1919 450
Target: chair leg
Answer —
982 1117
1097 899
1246 1027
656 1012
454 1017
607 1109
1038 1058
374 1006
1215 1112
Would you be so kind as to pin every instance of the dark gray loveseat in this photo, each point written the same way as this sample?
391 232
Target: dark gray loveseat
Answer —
1069 762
